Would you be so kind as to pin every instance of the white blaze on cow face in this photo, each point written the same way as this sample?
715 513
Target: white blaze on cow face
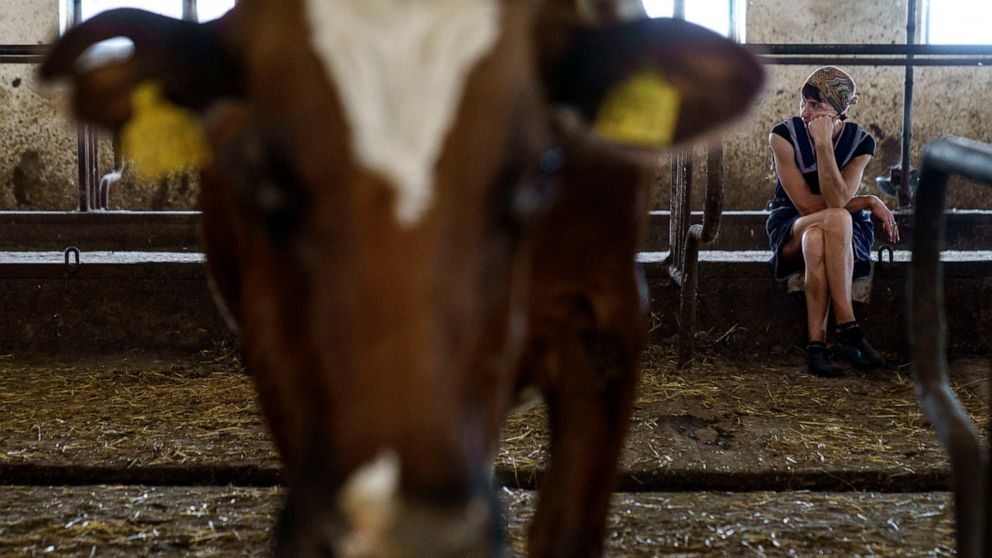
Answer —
400 68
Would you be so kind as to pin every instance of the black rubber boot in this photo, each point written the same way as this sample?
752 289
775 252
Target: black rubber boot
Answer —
853 346
819 361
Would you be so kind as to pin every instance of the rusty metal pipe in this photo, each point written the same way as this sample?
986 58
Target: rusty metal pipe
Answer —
680 205
83 167
956 431
695 235
687 298
902 193
715 180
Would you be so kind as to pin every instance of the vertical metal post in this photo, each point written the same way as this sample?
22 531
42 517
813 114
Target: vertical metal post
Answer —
733 32
93 166
679 9
681 210
903 195
189 10
86 148
928 333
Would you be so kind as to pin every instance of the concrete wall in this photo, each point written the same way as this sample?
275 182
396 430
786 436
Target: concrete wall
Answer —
37 144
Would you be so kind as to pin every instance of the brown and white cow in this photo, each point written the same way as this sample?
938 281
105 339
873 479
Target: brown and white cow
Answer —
411 220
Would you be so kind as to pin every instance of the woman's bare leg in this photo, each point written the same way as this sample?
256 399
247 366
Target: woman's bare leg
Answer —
836 225
817 292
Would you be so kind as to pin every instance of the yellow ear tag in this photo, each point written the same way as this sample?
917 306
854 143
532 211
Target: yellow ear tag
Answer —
162 138
641 111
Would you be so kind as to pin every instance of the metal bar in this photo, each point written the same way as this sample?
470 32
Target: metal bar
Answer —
688 296
681 211
189 10
86 144
840 61
867 49
23 50
694 236
33 54
715 181
761 49
94 168
82 167
956 431
902 191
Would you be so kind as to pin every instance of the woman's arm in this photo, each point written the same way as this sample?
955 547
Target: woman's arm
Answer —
838 187
879 211
792 178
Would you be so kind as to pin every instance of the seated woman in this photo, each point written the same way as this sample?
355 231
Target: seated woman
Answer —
818 226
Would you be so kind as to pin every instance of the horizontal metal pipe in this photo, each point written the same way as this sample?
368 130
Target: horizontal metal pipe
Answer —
22 50
756 48
770 53
22 54
842 61
961 156
868 49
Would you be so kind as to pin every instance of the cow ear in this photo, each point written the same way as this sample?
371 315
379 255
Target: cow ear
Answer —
654 83
189 60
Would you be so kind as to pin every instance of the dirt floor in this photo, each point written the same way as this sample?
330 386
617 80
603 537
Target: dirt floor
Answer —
123 521
88 450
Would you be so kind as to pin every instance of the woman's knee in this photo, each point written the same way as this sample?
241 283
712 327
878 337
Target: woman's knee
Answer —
813 245
837 221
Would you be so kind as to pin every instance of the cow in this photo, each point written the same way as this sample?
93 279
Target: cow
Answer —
415 212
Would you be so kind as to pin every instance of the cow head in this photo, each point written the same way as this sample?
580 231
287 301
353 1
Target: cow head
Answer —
376 167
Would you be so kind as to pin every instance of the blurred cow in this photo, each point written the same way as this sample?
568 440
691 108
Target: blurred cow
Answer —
416 210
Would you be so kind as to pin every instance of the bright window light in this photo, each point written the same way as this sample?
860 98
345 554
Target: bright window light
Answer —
171 8
212 9
206 9
712 14
120 47
962 22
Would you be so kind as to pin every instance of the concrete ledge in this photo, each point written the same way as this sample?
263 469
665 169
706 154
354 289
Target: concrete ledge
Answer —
120 301
739 298
172 231
111 301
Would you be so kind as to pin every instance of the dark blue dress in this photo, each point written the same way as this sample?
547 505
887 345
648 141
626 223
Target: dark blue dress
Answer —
852 142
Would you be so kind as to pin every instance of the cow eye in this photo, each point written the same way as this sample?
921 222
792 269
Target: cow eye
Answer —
267 188
537 190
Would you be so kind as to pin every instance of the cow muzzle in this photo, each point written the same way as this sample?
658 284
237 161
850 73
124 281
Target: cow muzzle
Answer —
372 518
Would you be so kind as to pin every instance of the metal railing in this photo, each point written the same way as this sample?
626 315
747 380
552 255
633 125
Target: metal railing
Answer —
956 431
685 238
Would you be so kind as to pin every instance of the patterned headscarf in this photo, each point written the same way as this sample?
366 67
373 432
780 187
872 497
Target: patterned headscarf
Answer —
836 86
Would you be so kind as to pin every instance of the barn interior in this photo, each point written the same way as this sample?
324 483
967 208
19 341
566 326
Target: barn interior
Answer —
129 427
